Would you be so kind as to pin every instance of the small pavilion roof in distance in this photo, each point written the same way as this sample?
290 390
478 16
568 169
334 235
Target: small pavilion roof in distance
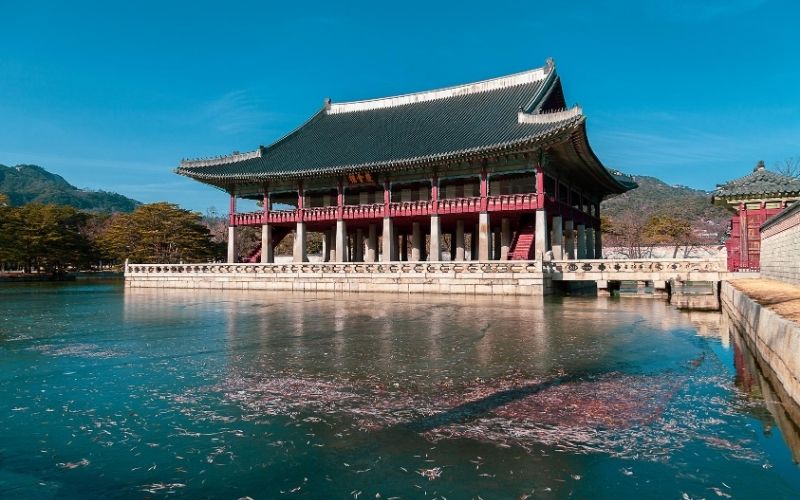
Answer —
520 111
760 183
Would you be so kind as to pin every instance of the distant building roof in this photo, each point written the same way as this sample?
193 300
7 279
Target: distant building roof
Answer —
523 110
761 182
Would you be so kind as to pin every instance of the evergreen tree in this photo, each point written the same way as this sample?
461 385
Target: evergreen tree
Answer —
159 233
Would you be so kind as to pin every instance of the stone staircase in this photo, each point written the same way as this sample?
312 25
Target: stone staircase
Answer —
522 246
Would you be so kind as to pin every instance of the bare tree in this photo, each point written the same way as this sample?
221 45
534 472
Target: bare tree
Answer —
790 166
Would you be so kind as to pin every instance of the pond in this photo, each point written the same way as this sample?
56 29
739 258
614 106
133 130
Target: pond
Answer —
140 393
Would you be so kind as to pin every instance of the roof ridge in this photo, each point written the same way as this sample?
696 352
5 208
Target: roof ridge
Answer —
550 116
222 159
529 76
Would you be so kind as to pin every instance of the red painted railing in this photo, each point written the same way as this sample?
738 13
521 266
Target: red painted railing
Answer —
282 216
409 208
512 202
460 205
356 212
248 219
501 203
319 214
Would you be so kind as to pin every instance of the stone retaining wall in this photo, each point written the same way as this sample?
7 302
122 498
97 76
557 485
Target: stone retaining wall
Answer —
776 339
780 246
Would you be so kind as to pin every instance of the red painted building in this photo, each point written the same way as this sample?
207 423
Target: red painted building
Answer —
753 199
502 160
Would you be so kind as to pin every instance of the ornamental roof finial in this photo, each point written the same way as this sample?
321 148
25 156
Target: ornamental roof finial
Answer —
549 64
760 166
327 103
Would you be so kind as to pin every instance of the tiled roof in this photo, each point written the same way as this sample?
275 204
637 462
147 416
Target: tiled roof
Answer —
760 182
414 129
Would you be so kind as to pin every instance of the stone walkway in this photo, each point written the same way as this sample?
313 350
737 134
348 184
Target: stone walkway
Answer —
780 297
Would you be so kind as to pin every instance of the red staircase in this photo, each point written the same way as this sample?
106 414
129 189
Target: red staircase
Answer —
278 234
522 246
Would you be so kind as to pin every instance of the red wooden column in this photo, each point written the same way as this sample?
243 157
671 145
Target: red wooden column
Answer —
540 187
484 191
541 231
231 228
389 250
342 246
267 255
232 209
265 217
435 250
300 201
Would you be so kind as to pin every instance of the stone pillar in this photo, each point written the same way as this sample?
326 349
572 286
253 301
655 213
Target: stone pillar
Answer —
598 245
540 239
473 244
404 247
372 244
416 242
267 257
299 250
569 240
341 241
388 239
581 237
505 238
231 244
484 232
330 236
590 243
435 250
359 243
558 234
460 253
497 250
325 246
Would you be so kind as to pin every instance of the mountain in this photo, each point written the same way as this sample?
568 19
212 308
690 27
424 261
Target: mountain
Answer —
655 195
32 184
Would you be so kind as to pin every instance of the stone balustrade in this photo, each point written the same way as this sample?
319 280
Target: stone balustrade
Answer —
484 278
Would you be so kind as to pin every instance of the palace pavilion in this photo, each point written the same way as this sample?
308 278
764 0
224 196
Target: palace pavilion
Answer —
753 199
501 166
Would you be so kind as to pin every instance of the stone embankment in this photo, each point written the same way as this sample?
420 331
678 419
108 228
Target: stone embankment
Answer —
768 313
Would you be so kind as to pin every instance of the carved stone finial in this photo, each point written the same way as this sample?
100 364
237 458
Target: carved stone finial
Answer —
760 166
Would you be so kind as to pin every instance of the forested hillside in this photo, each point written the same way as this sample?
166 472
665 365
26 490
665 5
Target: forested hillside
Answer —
25 184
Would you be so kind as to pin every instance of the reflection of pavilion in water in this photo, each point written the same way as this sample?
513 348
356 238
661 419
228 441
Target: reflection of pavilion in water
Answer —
756 379
374 335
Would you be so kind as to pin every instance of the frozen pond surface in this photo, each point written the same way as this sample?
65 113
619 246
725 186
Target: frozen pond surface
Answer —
142 393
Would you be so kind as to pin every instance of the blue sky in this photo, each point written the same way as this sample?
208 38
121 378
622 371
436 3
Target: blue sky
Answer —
112 95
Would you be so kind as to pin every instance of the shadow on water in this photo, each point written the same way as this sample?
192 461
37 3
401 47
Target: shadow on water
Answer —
474 409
